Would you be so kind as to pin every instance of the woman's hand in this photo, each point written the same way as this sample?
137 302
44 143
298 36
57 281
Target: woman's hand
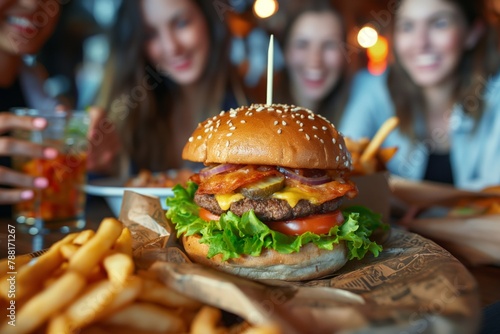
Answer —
10 146
104 143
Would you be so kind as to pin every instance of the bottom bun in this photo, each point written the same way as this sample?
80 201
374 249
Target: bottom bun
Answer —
309 263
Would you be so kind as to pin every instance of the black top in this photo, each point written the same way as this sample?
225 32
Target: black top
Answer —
10 97
439 168
229 101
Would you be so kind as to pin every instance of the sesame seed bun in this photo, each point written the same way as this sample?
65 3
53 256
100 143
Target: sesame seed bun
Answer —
278 134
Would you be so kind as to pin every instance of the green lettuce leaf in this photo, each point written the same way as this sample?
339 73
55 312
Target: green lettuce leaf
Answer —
233 235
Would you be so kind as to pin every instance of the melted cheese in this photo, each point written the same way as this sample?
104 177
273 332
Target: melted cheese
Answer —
291 195
294 195
226 200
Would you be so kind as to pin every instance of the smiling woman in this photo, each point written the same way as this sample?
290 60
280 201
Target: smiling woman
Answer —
315 56
442 87
27 25
429 40
177 39
168 71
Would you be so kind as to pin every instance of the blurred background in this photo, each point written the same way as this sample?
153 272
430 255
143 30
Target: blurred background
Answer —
78 50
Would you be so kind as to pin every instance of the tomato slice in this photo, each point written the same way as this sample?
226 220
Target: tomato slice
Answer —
207 215
317 224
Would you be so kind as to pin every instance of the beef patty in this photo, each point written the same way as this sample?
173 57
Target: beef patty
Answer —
268 209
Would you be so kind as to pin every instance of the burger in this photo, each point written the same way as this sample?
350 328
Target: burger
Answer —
266 204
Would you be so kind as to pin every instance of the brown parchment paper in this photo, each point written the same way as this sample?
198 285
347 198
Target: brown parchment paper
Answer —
414 286
377 201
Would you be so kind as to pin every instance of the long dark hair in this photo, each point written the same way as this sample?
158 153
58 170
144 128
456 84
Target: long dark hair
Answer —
333 103
475 68
139 97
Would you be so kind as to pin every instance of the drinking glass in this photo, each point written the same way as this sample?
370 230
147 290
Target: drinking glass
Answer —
61 205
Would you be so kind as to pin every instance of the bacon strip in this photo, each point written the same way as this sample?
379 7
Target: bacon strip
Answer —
328 191
226 183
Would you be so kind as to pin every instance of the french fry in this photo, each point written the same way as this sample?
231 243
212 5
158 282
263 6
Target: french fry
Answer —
495 190
494 209
39 269
84 311
264 329
147 317
96 275
43 305
239 328
356 145
145 178
58 324
124 242
382 133
125 296
94 300
475 206
83 237
368 156
187 315
54 276
100 330
113 329
156 292
92 252
42 268
68 250
206 321
18 262
119 267
66 240
385 154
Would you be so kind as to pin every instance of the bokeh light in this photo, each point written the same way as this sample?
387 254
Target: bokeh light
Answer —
377 67
265 8
379 50
377 56
367 37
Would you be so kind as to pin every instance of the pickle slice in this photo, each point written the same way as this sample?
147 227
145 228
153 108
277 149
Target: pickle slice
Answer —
263 188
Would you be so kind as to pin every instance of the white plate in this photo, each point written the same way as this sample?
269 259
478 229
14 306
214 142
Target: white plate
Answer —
112 190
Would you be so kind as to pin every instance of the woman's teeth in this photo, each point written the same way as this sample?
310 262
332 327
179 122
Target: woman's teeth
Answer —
19 21
313 75
426 60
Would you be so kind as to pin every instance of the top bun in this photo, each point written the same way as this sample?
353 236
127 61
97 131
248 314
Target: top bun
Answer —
276 135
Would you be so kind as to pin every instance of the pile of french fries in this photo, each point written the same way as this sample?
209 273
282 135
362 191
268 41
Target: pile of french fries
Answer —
367 155
475 206
87 283
146 178
376 162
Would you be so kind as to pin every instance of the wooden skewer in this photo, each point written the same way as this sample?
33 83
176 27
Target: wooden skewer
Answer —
270 53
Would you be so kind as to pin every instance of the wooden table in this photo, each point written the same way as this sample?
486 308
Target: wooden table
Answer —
488 277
